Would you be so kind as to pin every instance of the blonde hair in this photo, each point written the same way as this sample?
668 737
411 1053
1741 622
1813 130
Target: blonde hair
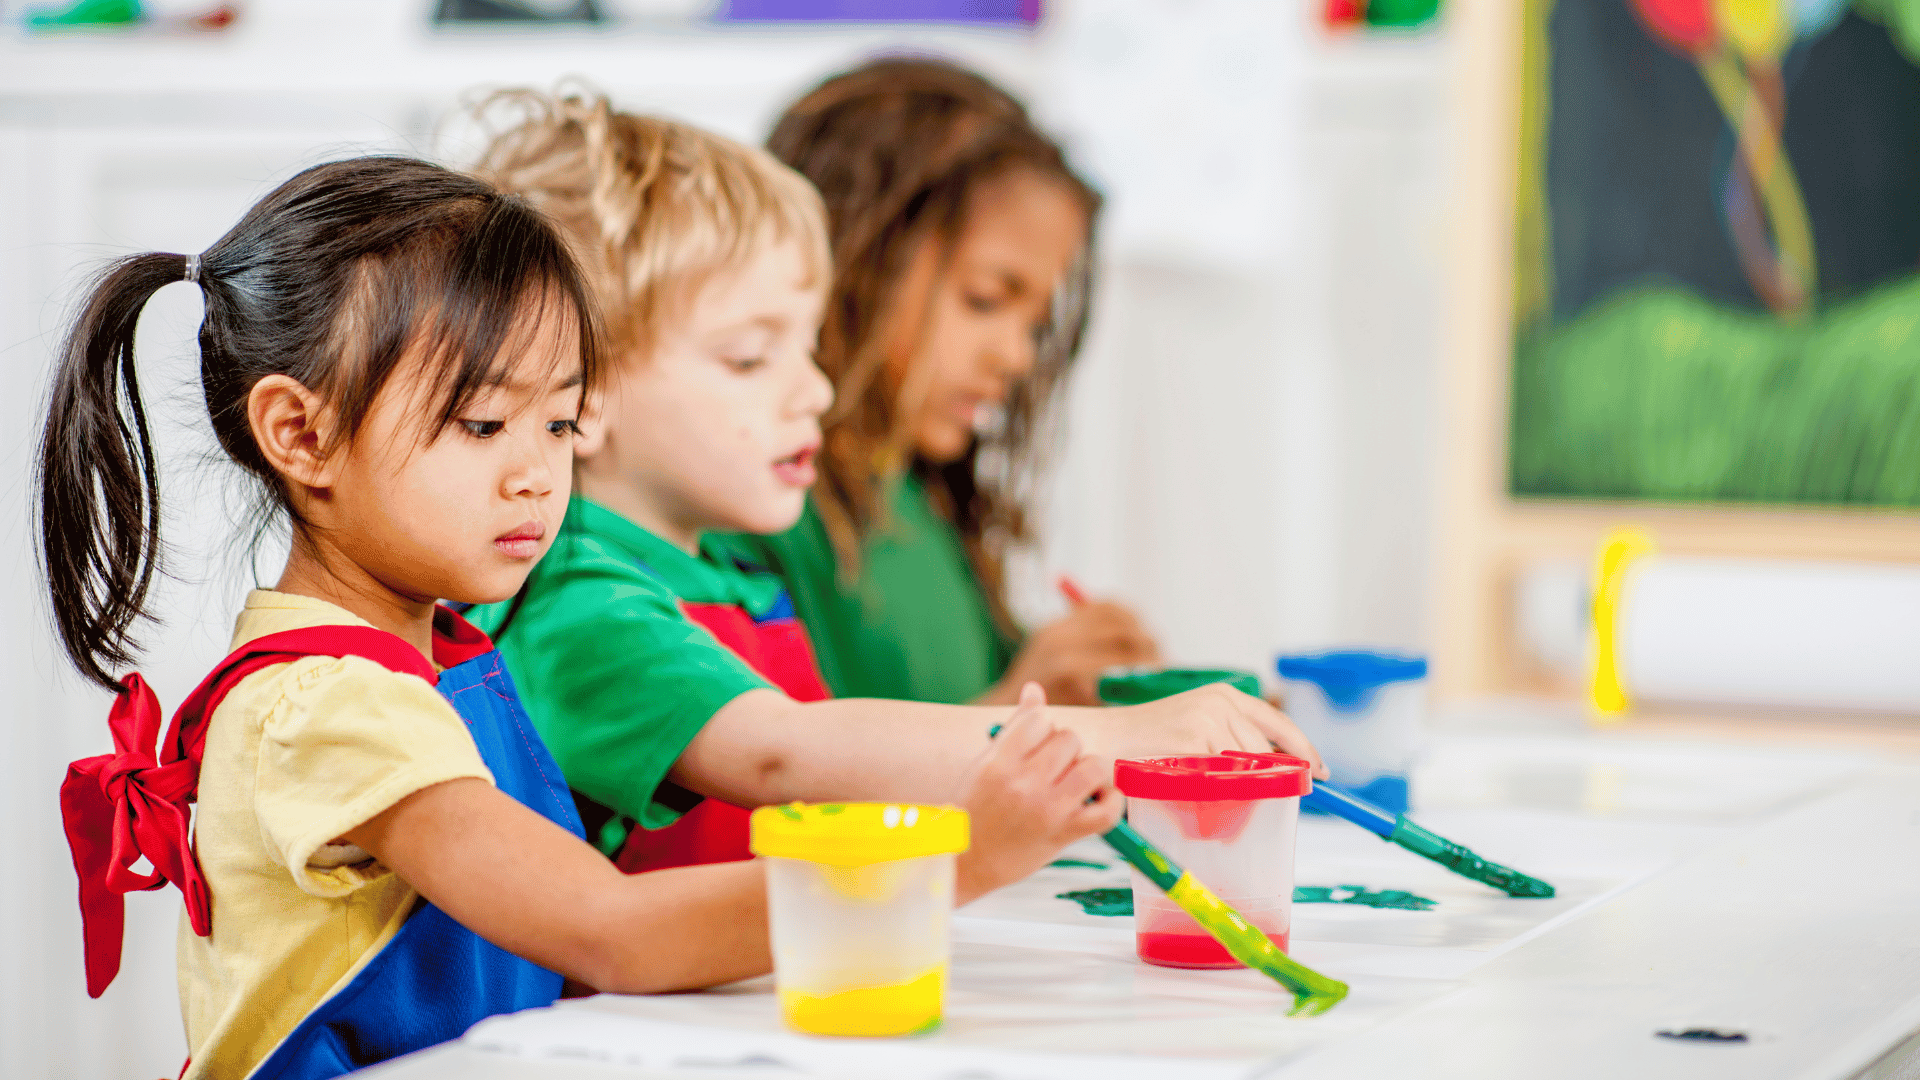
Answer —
653 208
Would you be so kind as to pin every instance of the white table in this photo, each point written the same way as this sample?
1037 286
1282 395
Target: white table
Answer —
1700 885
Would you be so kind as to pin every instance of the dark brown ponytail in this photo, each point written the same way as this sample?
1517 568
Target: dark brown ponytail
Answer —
328 280
99 484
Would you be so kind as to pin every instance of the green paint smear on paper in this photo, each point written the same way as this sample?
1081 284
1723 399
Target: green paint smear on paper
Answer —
1120 901
1395 899
1088 863
1101 901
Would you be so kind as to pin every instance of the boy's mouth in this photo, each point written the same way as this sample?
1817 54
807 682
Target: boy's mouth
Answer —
523 542
796 468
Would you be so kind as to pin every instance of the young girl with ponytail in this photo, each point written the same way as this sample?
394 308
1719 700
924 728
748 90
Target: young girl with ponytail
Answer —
380 851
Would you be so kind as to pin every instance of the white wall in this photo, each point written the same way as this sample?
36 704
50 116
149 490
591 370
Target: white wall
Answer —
1250 434
1253 437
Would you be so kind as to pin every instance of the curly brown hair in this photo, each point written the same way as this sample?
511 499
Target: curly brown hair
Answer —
898 147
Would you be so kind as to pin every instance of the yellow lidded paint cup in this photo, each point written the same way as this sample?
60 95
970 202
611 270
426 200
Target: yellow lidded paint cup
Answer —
859 896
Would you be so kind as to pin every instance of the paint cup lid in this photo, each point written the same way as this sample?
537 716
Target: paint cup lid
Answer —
1349 677
1235 775
1140 685
855 834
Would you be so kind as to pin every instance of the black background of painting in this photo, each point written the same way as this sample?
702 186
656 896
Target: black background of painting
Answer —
1636 150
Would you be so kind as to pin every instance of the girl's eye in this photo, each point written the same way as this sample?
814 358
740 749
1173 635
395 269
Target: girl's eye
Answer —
483 429
743 364
563 427
982 305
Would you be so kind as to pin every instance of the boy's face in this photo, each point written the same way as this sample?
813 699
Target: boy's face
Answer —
717 428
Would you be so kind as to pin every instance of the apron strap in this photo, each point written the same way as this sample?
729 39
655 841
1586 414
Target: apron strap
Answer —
133 803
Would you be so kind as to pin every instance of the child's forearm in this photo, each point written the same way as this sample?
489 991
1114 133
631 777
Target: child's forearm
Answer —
764 748
528 886
680 929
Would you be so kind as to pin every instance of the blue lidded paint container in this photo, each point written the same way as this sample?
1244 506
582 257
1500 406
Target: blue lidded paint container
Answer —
1365 712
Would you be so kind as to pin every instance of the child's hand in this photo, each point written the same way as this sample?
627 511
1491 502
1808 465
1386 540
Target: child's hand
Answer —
1066 656
1032 793
1205 720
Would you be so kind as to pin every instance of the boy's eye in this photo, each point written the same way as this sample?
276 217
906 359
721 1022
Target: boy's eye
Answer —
483 429
743 364
563 427
983 305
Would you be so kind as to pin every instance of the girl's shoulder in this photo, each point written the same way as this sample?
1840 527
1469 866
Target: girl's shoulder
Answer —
317 693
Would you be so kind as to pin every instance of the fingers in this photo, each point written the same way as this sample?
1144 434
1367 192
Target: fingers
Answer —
1058 753
1279 731
1027 726
1246 735
1097 814
1105 628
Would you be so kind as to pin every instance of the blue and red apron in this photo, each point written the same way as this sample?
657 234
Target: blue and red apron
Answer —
435 978
774 644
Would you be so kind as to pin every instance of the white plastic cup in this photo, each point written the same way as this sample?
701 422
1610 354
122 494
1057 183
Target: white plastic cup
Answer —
1365 712
859 899
1227 819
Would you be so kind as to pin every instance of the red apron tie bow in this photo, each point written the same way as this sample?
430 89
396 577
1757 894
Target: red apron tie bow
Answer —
131 804
123 806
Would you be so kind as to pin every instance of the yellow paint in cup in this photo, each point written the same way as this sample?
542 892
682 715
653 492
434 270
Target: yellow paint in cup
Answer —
859 899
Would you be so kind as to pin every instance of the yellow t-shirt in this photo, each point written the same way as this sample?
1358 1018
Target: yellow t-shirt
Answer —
296 756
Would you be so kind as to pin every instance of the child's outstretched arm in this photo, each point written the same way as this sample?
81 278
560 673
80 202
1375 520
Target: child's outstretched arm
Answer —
532 888
763 747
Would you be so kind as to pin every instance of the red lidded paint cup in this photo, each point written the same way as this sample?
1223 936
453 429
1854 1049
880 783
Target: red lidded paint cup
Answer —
1227 819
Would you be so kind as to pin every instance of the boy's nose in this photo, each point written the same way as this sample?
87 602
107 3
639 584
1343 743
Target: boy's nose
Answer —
814 394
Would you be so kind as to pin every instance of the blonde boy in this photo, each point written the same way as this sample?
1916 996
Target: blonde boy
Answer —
659 668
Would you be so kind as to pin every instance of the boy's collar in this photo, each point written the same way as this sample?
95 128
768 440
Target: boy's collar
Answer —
713 576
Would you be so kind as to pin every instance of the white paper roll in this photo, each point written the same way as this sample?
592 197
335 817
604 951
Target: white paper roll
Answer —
1825 635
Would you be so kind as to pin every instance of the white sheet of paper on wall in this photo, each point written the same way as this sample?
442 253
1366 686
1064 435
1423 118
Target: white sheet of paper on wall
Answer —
1185 114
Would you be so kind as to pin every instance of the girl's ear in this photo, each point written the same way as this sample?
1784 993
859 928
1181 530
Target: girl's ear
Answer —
289 428
593 425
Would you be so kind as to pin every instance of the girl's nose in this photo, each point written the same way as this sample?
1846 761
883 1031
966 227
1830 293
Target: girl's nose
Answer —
529 472
1014 358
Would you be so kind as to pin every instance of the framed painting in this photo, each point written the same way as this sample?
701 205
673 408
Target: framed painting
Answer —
1687 294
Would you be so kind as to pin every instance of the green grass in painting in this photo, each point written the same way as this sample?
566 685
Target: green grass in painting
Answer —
1662 394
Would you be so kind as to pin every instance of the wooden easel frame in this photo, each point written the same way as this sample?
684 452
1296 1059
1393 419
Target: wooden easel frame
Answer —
1487 537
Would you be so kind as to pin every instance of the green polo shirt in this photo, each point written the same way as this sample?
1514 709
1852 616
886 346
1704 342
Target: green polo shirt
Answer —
615 676
915 626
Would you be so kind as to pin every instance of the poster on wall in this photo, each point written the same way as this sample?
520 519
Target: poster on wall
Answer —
1717 253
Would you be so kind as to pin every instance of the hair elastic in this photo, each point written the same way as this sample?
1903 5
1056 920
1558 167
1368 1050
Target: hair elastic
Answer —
193 269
